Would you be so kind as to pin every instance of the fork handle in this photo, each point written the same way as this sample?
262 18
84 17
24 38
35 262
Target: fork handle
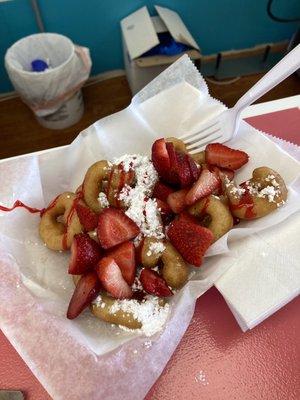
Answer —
284 68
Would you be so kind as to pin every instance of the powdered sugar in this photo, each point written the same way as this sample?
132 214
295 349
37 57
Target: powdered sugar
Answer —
137 240
237 191
281 203
149 313
270 192
148 344
103 200
155 248
140 207
98 301
255 189
271 178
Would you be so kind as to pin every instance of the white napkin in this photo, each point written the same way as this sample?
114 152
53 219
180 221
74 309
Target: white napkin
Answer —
266 274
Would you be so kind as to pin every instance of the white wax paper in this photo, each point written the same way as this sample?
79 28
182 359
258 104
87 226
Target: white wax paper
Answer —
84 359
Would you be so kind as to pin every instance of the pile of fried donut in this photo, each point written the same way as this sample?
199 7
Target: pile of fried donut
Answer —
196 201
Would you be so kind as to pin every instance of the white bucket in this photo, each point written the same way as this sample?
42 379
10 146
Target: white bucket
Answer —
68 114
54 95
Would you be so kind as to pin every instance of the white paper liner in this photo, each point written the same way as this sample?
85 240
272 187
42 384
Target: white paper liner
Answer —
83 359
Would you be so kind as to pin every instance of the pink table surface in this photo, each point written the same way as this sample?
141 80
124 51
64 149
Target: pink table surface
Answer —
214 360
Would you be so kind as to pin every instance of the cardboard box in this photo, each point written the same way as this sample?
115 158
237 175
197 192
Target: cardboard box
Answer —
139 35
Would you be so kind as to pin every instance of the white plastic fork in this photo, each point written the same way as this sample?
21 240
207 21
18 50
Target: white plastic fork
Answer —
224 126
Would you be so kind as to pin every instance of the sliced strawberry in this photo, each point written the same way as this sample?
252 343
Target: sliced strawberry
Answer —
86 291
163 207
176 200
165 211
124 256
203 219
160 158
185 216
183 170
222 172
114 227
87 217
222 156
179 168
112 280
154 284
172 177
190 240
205 185
85 253
194 169
229 173
161 191
172 155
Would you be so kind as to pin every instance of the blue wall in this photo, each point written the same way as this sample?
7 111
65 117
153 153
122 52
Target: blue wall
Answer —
215 24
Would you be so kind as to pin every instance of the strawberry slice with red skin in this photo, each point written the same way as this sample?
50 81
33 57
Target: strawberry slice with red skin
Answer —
183 170
87 289
185 216
112 280
154 284
176 200
222 156
194 169
229 173
222 172
206 184
161 191
190 240
172 155
87 217
179 168
161 160
114 227
85 254
124 256
172 177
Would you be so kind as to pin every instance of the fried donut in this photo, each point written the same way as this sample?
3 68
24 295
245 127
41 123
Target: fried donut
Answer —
102 312
119 317
221 220
174 270
92 184
199 157
262 194
148 258
58 235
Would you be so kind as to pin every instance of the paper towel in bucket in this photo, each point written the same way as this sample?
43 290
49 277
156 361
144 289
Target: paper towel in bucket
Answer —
45 92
